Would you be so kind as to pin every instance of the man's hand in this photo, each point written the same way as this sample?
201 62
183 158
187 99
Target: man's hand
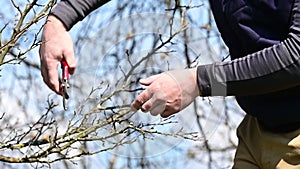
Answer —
56 45
168 92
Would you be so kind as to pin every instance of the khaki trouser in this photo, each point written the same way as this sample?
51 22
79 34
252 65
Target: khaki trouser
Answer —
261 149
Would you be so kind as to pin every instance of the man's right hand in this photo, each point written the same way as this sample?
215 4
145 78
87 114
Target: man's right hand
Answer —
56 45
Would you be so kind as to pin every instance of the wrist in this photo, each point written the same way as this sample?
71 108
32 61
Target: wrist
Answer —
54 21
195 78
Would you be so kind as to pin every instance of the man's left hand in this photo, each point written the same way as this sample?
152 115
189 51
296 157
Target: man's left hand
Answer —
168 93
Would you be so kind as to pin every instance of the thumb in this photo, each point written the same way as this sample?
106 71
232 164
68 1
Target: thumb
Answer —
149 80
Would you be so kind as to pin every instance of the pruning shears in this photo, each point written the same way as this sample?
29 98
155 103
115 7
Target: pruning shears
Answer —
65 82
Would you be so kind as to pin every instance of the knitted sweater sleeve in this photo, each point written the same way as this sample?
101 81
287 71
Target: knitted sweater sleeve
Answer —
72 11
269 70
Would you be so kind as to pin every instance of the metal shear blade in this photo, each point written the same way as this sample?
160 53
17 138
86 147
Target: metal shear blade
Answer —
65 94
65 83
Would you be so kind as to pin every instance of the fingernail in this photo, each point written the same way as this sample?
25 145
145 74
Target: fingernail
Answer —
142 80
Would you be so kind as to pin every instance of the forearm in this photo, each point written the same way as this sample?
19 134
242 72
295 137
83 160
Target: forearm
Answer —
72 11
272 69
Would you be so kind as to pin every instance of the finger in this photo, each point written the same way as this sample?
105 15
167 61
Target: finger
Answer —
141 99
54 79
133 109
147 106
156 104
166 113
136 105
45 76
149 80
158 108
50 76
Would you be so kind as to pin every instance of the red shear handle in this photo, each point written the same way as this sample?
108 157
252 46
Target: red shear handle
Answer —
65 69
